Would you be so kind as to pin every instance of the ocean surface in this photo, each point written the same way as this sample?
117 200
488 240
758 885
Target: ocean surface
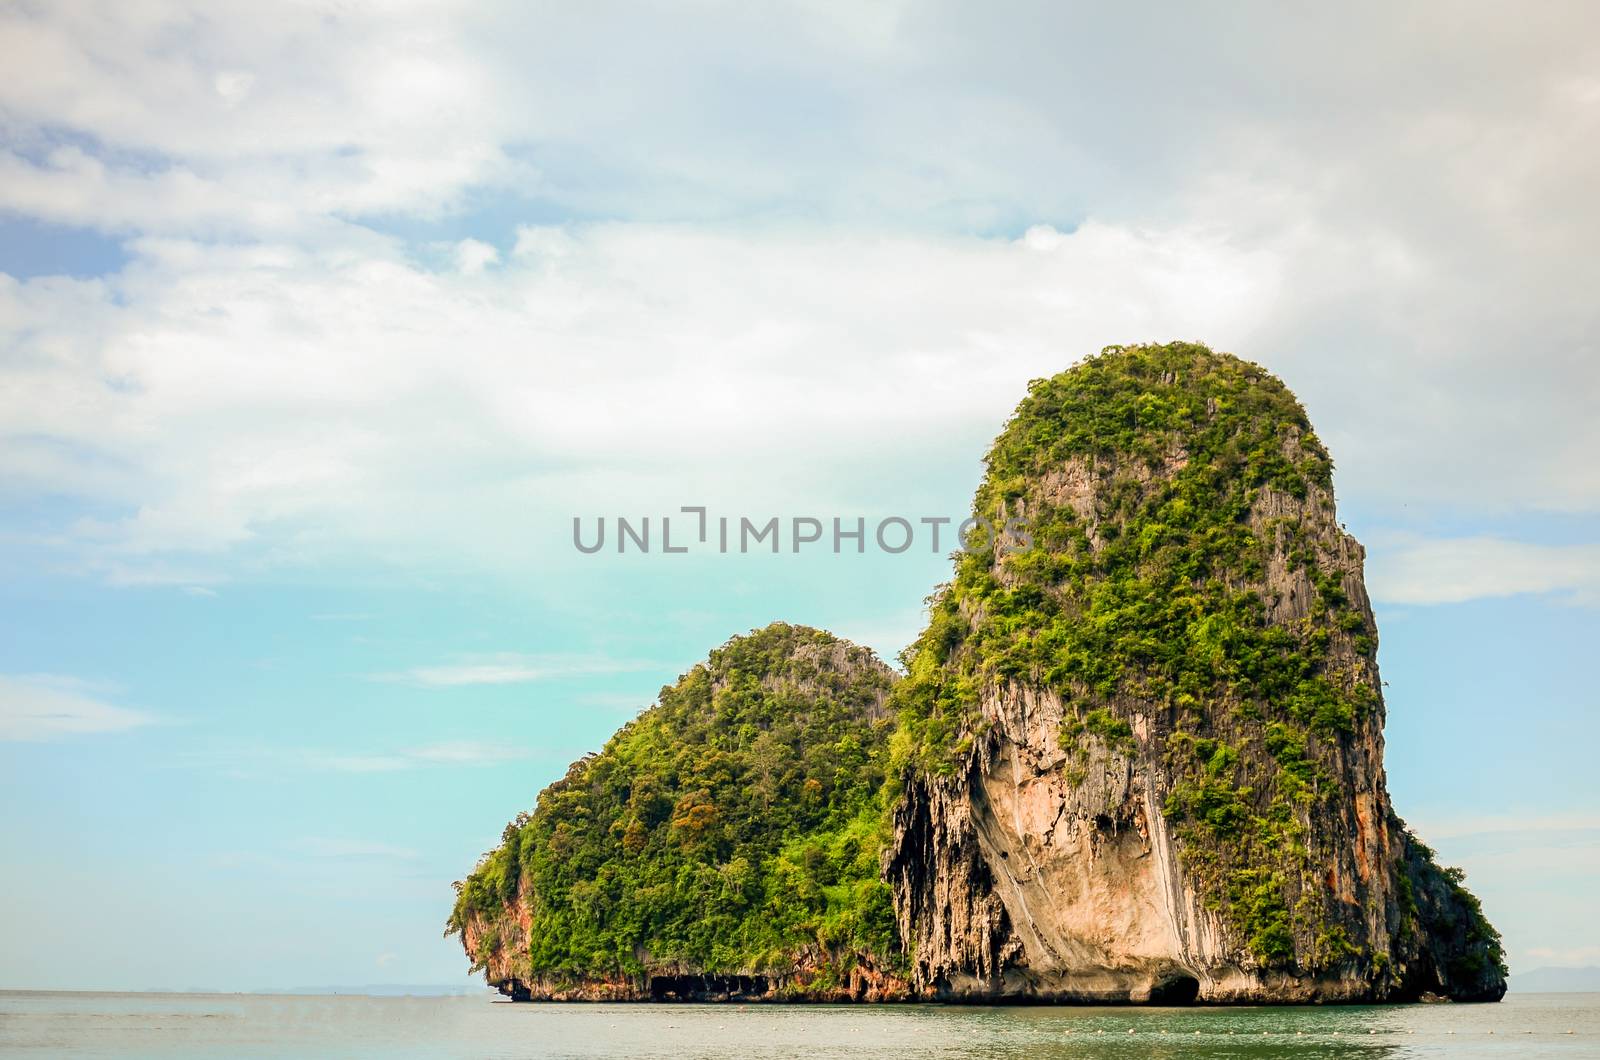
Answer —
260 1025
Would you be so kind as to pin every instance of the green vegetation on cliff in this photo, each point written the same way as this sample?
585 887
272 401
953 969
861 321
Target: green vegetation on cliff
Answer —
731 828
1149 595
1176 500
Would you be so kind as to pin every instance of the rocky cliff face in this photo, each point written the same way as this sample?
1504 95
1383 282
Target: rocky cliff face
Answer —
1148 757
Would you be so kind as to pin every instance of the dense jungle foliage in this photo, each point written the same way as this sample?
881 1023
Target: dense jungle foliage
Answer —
730 827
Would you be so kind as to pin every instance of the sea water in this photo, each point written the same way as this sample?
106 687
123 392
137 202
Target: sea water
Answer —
254 1025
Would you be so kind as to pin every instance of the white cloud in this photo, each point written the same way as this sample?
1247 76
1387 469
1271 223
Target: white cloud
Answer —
42 707
474 255
281 405
258 762
1529 826
508 668
1552 845
255 122
466 752
323 847
458 753
353 762
1454 570
1407 238
1565 956
501 673
291 119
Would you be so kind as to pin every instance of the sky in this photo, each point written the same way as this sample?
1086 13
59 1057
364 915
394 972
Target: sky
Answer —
321 322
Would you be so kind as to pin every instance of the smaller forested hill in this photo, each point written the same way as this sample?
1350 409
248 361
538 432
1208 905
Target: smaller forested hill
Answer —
724 843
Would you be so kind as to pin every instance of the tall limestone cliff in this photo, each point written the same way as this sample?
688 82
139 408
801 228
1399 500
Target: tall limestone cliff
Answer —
725 844
1143 750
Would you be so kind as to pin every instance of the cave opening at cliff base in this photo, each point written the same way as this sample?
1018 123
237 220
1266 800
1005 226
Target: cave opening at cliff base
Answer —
1175 990
707 987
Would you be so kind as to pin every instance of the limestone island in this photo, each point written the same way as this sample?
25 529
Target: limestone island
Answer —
1138 760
